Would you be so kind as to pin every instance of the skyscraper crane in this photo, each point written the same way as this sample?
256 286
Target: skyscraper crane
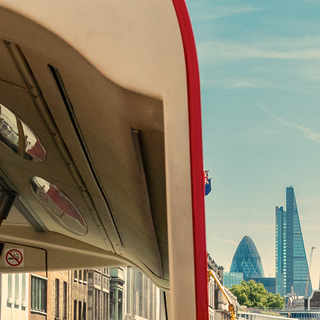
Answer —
309 271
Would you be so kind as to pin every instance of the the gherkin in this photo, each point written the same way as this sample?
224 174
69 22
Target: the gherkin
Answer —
247 259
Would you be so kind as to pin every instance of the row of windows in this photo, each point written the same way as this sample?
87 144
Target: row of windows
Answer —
80 275
102 306
103 270
79 310
15 295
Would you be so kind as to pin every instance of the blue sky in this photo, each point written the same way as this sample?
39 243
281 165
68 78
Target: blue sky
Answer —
260 75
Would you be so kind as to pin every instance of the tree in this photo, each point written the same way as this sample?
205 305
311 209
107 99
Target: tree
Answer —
254 295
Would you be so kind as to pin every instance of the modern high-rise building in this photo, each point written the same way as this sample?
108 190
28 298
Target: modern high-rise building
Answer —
247 259
291 261
231 278
269 283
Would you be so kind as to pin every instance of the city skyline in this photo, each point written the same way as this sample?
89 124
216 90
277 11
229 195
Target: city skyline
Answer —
259 64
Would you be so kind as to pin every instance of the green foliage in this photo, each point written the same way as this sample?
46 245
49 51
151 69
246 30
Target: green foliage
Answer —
254 295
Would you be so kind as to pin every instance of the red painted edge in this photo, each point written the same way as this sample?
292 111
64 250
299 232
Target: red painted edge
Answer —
196 159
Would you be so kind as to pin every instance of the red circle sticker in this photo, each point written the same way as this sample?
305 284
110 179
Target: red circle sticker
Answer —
14 257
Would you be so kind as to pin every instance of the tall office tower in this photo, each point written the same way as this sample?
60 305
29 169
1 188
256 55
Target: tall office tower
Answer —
247 259
291 261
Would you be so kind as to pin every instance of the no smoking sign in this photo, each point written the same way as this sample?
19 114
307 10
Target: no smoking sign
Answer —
14 258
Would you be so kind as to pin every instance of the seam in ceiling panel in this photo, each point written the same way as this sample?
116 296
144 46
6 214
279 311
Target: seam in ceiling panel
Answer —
69 107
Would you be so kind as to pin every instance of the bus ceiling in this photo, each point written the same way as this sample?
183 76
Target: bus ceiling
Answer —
101 151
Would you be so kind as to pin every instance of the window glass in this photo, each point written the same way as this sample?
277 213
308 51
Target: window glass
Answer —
75 310
38 294
57 298
65 299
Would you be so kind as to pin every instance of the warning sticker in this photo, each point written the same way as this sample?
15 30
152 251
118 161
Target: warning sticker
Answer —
14 258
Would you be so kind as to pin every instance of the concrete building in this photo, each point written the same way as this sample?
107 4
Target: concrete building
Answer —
211 294
116 293
79 295
14 296
99 294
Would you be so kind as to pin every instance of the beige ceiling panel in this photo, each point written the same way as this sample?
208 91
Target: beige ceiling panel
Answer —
8 71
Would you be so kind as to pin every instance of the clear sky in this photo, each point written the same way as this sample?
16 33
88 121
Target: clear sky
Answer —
260 76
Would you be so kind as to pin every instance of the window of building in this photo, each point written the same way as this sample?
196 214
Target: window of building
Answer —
80 275
105 305
84 312
56 305
112 310
75 275
24 280
85 276
80 310
38 294
97 304
120 305
65 299
75 310
17 286
9 290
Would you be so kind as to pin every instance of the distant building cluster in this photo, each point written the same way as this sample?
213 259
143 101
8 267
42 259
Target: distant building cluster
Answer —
292 272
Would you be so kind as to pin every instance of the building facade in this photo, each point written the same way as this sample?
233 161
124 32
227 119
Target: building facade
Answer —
291 262
218 303
119 293
14 299
59 294
247 259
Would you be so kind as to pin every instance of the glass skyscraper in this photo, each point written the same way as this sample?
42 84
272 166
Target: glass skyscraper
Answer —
291 261
231 278
247 259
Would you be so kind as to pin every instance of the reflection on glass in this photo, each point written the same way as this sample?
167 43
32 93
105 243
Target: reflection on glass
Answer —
60 207
19 137
143 297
